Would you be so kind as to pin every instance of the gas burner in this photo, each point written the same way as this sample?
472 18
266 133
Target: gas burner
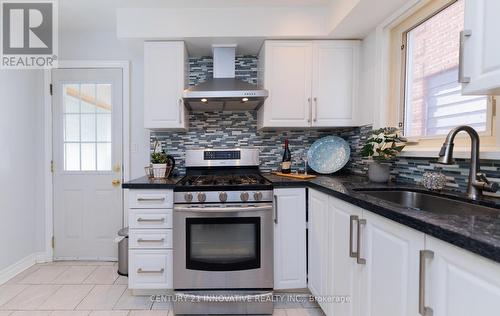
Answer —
223 180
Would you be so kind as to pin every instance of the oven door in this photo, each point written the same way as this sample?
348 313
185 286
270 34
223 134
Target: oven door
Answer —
223 247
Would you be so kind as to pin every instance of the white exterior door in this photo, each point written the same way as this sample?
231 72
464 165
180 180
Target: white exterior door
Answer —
334 85
481 60
290 239
460 283
390 274
87 156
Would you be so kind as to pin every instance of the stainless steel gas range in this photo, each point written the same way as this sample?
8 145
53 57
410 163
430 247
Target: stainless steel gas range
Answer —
223 235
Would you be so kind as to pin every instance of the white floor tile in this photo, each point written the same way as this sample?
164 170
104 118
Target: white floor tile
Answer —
162 305
149 313
109 313
30 313
9 291
69 313
101 263
31 297
102 297
5 313
70 263
102 275
44 275
74 275
304 312
279 312
129 301
67 297
23 274
121 280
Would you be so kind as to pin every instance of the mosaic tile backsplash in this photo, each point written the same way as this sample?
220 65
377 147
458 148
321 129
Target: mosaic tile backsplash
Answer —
239 129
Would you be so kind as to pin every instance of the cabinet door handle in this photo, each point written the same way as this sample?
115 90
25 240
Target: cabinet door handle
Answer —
315 109
422 309
310 110
180 110
140 270
359 260
275 217
352 219
161 220
151 240
461 77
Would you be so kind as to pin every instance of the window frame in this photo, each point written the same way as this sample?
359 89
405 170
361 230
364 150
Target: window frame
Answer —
398 81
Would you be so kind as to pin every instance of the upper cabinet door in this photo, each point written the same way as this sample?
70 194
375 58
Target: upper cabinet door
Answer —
165 64
287 77
335 80
481 59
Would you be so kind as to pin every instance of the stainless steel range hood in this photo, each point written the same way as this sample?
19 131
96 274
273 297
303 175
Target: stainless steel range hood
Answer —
224 91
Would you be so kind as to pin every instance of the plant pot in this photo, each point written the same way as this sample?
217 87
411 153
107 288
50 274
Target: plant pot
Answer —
159 170
378 172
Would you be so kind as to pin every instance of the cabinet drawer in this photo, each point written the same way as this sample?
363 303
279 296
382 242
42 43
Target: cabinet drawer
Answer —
151 199
150 238
150 218
150 269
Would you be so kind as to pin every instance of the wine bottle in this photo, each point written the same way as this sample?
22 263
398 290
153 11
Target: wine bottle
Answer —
286 163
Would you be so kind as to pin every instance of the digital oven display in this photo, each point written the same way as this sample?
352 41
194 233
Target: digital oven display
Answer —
222 155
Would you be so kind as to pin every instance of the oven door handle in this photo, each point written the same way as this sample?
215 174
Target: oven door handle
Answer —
223 209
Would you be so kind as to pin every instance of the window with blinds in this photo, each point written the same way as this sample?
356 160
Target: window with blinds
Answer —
433 103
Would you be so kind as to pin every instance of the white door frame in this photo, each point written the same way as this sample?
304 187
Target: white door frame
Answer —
124 65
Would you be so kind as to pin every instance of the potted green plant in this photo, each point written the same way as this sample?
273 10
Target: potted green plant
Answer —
382 147
159 160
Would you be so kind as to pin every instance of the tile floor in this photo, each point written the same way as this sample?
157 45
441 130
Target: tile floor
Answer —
87 288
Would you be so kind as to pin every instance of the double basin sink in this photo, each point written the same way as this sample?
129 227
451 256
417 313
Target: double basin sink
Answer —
428 202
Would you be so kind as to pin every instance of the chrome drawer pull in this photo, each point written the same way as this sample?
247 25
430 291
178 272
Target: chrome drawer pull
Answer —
360 260
422 309
161 220
150 240
140 270
150 199
352 253
461 77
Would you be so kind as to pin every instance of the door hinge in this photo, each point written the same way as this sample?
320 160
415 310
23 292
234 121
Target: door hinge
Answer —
52 166
403 47
51 89
53 242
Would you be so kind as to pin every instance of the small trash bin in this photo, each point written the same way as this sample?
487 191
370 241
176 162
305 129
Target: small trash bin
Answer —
123 252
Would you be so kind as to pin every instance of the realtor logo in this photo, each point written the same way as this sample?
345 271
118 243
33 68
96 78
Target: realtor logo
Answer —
29 37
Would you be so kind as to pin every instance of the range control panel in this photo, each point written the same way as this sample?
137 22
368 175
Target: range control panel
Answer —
222 155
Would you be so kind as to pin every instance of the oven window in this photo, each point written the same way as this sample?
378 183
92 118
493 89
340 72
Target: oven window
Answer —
223 243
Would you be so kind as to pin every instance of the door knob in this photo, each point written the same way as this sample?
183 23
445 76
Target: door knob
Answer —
115 182
117 167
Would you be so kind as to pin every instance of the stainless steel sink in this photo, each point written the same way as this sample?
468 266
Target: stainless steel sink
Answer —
430 203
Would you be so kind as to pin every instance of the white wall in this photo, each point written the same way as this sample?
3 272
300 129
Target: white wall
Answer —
21 182
367 93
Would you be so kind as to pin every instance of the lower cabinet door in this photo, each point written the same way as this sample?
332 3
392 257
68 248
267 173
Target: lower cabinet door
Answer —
460 283
290 239
150 269
390 276
344 274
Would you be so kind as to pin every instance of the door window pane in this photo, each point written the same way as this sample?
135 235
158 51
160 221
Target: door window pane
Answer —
434 103
87 126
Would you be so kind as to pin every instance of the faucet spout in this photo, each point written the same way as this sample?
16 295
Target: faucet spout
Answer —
477 180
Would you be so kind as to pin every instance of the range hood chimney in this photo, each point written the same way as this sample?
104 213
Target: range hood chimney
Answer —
224 91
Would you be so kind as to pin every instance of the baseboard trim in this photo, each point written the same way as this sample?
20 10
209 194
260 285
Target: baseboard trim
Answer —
11 271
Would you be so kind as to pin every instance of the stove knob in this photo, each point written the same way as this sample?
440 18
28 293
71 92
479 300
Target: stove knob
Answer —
257 196
188 197
244 196
202 197
223 196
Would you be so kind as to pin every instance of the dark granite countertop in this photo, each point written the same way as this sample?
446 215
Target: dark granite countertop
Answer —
477 233
146 183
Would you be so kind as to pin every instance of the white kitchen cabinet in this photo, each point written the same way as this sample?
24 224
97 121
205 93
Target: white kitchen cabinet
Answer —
460 283
287 76
481 61
344 274
318 245
390 274
165 78
335 83
310 83
290 239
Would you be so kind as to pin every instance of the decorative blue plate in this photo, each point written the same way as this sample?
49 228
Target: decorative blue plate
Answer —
328 154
